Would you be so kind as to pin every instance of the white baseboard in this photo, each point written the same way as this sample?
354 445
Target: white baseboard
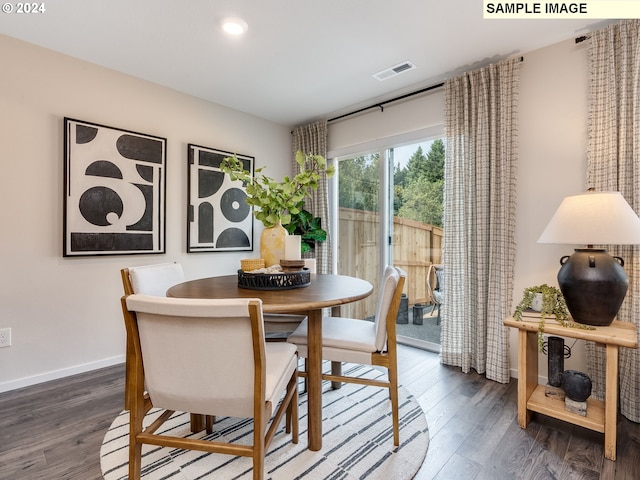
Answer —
541 380
62 373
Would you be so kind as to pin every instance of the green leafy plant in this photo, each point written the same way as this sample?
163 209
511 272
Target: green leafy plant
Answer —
308 227
278 201
553 305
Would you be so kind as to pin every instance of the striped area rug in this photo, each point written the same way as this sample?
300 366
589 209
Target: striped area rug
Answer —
357 442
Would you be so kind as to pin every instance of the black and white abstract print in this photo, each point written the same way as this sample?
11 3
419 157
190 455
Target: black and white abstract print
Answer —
219 218
115 186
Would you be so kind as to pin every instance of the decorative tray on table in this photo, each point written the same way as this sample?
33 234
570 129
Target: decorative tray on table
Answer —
274 281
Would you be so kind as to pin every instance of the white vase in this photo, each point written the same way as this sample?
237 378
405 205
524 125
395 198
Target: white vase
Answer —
536 303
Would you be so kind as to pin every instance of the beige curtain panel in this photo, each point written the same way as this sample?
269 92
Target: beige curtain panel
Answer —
479 217
313 139
613 158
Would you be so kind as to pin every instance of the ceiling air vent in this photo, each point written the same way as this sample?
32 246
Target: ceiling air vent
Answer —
393 71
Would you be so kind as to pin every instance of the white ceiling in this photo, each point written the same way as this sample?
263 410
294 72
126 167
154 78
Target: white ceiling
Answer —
301 60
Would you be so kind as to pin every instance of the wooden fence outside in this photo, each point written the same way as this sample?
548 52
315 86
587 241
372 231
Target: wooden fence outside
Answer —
415 247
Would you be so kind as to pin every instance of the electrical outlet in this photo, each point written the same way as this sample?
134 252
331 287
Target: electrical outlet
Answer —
5 337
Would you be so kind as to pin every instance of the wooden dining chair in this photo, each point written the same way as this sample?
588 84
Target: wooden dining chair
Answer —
173 339
364 342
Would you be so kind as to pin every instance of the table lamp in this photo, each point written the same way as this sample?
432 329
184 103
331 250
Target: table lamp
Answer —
593 282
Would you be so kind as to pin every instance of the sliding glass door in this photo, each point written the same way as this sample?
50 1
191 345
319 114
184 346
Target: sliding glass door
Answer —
389 211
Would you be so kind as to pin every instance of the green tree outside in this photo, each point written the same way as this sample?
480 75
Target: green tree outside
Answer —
360 183
418 186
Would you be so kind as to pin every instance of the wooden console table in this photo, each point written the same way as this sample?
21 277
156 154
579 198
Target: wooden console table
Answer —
601 416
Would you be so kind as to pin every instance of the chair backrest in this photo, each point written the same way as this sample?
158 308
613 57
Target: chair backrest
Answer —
152 279
439 278
389 294
200 355
434 279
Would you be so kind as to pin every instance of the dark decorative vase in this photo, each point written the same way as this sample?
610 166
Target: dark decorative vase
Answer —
555 360
593 284
576 385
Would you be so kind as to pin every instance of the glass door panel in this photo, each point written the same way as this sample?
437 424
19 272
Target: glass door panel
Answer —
359 225
418 182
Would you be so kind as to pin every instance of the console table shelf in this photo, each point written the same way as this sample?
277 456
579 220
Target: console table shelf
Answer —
554 407
601 416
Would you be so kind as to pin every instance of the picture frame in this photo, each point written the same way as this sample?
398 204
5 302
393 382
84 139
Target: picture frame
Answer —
218 216
114 190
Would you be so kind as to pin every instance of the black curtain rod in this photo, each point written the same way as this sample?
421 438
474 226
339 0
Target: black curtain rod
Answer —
382 104
401 97
582 39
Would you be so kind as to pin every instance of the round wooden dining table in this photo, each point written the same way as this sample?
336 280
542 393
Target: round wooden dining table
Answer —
324 291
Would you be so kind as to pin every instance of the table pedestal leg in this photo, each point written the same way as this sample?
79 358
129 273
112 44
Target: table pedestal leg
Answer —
314 379
336 367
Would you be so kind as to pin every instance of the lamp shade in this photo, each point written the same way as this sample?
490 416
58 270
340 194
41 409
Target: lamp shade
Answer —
593 218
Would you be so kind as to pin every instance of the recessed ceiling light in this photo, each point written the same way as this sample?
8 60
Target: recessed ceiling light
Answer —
234 25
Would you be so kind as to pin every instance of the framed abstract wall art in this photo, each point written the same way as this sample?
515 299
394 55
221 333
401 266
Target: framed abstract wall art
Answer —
115 190
218 218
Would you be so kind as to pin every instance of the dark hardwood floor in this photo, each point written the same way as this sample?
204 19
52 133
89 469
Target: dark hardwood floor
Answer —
54 431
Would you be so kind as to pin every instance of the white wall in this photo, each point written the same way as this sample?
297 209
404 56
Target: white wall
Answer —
553 164
65 312
552 156
407 121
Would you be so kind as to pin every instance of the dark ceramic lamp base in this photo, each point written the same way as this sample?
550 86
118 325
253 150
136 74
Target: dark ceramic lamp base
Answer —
594 285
